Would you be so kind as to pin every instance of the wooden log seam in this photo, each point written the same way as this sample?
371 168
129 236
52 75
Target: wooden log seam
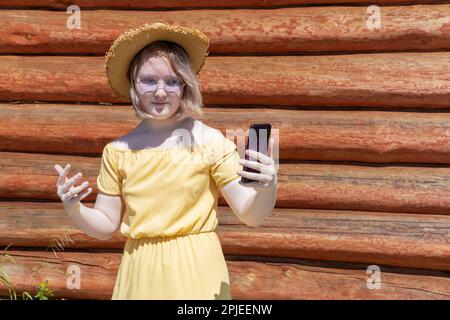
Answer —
283 279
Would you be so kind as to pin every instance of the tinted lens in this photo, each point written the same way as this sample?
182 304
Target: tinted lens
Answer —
173 84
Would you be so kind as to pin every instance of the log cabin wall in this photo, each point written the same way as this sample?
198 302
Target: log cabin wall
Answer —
364 140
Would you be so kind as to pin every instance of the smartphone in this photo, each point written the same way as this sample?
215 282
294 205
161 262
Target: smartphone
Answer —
258 140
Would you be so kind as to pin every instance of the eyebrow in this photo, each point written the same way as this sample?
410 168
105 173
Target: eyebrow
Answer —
153 75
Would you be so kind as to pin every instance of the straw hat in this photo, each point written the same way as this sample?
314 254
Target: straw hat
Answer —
127 45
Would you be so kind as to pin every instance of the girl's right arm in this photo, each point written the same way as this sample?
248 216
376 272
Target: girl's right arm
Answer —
100 222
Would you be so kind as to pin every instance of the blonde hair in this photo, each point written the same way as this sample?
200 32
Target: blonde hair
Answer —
191 102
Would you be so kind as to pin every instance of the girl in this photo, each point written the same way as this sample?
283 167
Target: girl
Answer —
152 183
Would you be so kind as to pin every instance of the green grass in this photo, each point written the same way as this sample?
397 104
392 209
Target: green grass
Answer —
43 292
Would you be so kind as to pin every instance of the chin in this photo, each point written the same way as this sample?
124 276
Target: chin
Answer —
163 115
167 112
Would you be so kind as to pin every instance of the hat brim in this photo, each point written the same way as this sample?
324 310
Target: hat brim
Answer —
127 45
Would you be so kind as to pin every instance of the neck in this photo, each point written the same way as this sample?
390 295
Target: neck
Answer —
162 126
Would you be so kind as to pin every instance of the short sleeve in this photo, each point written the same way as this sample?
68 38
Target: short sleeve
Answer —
226 162
109 180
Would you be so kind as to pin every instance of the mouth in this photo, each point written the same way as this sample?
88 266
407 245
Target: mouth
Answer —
159 103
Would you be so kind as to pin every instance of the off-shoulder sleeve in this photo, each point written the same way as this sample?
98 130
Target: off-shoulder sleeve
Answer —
109 180
226 162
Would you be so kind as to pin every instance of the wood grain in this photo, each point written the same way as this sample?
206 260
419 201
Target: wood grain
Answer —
301 185
246 31
372 137
407 240
250 279
387 80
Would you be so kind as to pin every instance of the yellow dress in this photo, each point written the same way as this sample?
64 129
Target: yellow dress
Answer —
171 194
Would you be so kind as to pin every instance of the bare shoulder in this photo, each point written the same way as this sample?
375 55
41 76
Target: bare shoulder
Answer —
203 134
206 133
121 142
132 140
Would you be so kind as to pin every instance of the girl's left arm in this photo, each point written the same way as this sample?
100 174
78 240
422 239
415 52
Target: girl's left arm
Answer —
253 202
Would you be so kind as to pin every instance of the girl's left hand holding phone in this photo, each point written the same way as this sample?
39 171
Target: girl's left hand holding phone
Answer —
266 166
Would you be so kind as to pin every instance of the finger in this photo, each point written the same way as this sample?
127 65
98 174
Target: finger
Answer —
259 156
80 188
255 176
65 171
251 164
58 168
69 195
85 194
268 170
68 184
62 173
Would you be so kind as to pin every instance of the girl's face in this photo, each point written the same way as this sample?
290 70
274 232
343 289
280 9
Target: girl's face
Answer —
159 89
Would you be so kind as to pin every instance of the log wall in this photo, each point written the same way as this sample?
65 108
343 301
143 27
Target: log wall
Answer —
364 140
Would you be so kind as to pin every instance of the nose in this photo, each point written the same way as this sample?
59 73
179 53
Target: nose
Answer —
160 90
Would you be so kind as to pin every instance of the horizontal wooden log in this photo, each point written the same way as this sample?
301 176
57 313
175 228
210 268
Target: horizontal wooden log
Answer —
390 80
177 4
407 240
276 279
301 185
313 186
375 136
281 30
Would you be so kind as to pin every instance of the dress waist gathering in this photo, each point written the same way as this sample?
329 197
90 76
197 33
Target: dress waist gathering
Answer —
187 266
167 237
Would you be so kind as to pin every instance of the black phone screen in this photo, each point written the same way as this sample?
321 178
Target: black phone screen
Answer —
257 139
